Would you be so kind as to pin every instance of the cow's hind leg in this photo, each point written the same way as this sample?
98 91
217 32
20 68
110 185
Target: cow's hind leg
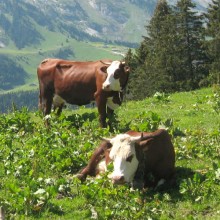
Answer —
47 109
40 102
58 104
46 104
60 109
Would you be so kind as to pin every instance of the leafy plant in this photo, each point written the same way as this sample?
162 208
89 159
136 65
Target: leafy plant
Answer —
161 97
38 165
216 99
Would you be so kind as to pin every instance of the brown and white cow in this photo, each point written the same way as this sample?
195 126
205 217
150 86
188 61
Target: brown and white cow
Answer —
80 83
135 155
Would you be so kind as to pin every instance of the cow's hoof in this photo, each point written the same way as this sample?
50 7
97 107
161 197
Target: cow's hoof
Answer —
81 177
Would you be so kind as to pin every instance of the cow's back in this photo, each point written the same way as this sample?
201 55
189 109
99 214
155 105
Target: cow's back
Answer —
73 81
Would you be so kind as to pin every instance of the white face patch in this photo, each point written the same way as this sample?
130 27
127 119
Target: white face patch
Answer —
111 104
112 84
124 157
58 101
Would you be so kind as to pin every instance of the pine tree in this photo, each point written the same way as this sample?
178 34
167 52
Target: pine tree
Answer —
152 61
171 57
190 44
213 34
161 40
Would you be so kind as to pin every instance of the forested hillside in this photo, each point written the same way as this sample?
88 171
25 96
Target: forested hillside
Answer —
11 72
180 52
17 100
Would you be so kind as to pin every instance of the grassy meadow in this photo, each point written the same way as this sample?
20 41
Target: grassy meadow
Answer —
38 166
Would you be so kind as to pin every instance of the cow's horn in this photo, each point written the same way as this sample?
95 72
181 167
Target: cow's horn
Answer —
123 62
146 137
105 62
105 139
134 139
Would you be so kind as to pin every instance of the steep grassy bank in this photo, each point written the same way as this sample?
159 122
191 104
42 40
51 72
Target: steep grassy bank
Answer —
38 165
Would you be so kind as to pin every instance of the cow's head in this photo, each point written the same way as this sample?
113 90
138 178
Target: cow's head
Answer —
117 76
123 153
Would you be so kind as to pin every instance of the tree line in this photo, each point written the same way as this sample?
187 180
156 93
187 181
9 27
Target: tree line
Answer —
180 51
11 74
17 100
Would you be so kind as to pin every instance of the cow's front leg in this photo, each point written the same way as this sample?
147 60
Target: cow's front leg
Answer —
110 115
102 116
101 101
110 112
91 169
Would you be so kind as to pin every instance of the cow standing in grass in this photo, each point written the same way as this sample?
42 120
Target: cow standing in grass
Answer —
80 83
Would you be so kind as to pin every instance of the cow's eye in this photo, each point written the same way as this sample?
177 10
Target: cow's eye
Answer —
129 159
117 74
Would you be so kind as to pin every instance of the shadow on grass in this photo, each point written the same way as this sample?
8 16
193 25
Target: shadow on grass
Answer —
77 120
182 174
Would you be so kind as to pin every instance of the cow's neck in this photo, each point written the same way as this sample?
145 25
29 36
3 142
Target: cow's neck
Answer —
138 181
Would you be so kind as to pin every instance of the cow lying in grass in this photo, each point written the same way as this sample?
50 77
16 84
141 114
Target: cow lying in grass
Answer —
148 157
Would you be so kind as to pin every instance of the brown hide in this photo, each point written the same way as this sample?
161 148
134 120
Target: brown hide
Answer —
154 151
156 156
77 83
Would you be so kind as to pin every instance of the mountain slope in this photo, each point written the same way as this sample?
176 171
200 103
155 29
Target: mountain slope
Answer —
92 20
33 30
80 19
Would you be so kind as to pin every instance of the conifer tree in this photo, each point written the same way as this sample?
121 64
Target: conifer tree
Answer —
160 46
190 44
153 59
213 34
171 57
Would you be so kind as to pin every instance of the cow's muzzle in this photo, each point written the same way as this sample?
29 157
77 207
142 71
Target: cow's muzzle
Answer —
106 87
118 180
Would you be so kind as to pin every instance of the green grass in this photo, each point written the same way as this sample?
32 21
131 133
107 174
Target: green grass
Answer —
190 110
38 165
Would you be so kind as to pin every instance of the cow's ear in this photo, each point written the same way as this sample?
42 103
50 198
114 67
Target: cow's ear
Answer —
127 69
144 145
107 142
105 139
104 69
